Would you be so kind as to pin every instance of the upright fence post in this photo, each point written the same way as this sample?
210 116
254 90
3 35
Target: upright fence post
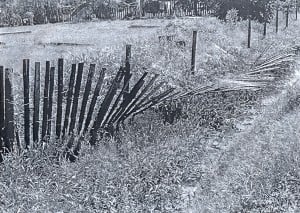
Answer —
127 66
60 91
194 47
45 100
26 103
36 103
287 17
296 11
9 112
277 19
249 33
2 121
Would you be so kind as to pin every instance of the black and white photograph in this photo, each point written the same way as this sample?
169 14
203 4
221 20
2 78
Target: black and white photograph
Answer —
149 106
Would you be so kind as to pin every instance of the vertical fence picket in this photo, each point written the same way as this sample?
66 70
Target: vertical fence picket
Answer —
26 103
36 103
9 112
127 66
69 99
2 121
75 98
50 101
86 94
60 89
45 100
94 100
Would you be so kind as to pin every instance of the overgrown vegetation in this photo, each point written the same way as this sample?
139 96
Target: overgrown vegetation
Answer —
149 165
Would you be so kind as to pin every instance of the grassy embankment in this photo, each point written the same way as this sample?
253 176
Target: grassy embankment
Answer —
157 162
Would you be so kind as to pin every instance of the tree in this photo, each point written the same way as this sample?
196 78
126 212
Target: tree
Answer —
261 11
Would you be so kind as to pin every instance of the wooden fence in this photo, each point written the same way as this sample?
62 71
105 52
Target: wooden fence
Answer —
120 101
153 9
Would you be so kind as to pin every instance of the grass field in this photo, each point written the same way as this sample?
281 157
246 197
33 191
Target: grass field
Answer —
233 152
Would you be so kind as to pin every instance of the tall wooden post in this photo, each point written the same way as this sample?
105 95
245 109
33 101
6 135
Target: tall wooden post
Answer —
249 33
26 103
296 9
2 124
265 29
277 19
287 17
194 47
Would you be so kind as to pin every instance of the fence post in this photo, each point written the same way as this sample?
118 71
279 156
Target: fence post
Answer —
50 101
249 33
265 29
36 103
45 100
60 91
127 66
9 112
2 121
287 17
26 103
277 19
296 10
194 46
69 98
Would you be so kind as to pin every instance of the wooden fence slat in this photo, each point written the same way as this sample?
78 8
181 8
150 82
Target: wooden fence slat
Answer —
60 75
130 98
105 105
94 100
86 94
143 92
115 105
45 100
127 66
9 112
2 121
50 101
76 96
26 103
69 98
36 103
